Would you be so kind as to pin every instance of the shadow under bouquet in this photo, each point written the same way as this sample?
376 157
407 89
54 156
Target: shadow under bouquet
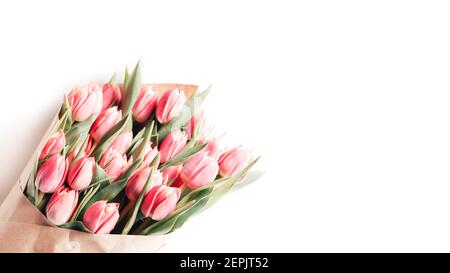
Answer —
122 166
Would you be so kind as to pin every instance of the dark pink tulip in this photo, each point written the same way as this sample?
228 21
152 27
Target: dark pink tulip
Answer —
111 95
145 104
54 145
169 105
199 170
172 145
104 122
62 205
80 173
52 173
85 101
122 142
160 202
137 181
114 163
233 161
171 173
101 217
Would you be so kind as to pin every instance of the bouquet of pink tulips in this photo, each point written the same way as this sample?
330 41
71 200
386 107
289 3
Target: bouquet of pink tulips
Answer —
128 159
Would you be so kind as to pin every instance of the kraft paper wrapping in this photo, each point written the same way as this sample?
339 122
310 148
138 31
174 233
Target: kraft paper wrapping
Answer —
23 228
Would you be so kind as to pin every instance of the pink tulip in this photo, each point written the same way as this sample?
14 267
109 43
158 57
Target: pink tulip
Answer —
233 161
54 145
160 201
145 104
213 148
114 164
101 217
52 173
171 173
199 170
149 154
172 145
80 173
111 95
137 181
169 105
178 183
105 121
76 149
122 142
62 205
199 122
85 101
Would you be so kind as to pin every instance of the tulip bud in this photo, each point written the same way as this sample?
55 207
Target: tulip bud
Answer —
213 148
101 217
114 163
172 145
233 161
62 205
80 173
52 173
199 170
170 174
54 145
137 180
122 142
159 202
111 94
105 121
169 105
145 104
85 101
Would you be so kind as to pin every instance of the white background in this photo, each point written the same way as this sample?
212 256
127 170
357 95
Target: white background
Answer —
347 102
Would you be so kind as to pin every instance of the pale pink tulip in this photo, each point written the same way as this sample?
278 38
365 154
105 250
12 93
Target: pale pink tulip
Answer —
104 122
52 173
137 181
199 170
113 163
149 154
213 148
160 202
233 161
85 101
101 217
172 145
171 173
111 95
122 142
61 205
80 173
169 105
55 144
200 123
145 104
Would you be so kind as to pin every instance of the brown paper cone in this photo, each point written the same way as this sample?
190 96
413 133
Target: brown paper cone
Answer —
23 228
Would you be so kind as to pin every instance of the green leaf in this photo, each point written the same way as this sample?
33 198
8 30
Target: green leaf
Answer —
87 195
133 85
185 114
221 188
126 124
113 78
80 129
139 152
76 225
32 187
251 177
137 205
184 155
